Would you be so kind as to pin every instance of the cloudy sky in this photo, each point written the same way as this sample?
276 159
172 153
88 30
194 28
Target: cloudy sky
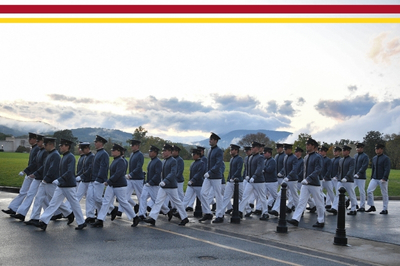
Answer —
181 81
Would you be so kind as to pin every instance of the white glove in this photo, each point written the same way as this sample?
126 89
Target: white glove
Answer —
285 179
323 180
232 180
21 173
251 180
280 175
56 182
147 185
304 182
206 175
78 178
190 182
44 182
128 176
383 181
344 180
334 178
247 178
162 184
356 176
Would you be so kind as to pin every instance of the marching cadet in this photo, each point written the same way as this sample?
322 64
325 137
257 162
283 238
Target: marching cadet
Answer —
280 155
300 167
16 202
334 169
361 166
151 187
212 180
99 176
135 176
256 183
325 175
179 170
235 171
85 178
116 186
247 151
311 185
195 179
169 188
79 165
345 177
271 181
379 177
289 172
37 179
66 188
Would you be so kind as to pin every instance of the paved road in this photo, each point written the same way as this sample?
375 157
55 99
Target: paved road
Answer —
251 242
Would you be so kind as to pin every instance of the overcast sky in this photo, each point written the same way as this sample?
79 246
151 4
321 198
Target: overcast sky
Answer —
181 81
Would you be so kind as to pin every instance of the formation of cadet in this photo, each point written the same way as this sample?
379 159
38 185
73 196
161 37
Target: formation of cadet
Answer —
50 178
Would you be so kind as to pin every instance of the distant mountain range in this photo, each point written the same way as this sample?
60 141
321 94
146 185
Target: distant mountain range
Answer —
235 136
21 128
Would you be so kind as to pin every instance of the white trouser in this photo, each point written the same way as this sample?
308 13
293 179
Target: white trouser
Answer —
292 187
26 204
305 192
147 192
81 191
43 196
172 194
192 192
191 200
384 191
181 195
328 185
259 190
60 193
228 194
349 186
109 194
272 189
16 202
132 185
360 183
90 203
98 190
252 197
206 194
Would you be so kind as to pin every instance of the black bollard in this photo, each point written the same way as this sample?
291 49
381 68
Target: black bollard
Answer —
235 219
198 213
340 237
282 227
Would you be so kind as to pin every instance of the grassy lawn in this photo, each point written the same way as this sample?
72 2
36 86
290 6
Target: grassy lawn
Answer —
12 163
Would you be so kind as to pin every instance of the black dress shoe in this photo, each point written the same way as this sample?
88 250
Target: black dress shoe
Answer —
384 212
371 209
71 218
273 212
293 222
288 210
148 208
229 211
177 215
189 209
257 212
319 225
241 215
269 207
150 221
81 226
214 207
119 214
141 217
361 209
313 209
90 220
334 211
247 215
347 203
218 220
184 221
32 222
56 217
207 216
264 217
18 216
170 215
41 225
352 213
114 213
251 205
136 208
136 221
9 211
328 207
98 224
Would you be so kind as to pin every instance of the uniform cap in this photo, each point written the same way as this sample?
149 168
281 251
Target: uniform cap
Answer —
65 142
287 146
337 148
360 145
117 147
255 144
346 148
235 147
214 136
196 151
298 149
267 149
246 148
154 148
324 148
379 146
312 141
175 148
39 137
49 139
83 145
101 139
279 145
200 148
32 135
167 147
134 142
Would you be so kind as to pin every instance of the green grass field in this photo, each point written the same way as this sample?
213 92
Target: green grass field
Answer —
12 163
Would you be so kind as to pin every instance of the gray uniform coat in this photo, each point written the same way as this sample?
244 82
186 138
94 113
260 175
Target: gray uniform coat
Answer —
346 169
100 166
289 168
136 165
215 162
380 167
361 165
312 168
154 172
67 171
51 167
168 174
